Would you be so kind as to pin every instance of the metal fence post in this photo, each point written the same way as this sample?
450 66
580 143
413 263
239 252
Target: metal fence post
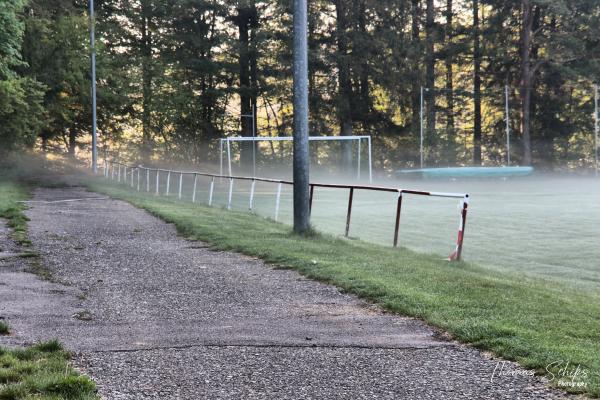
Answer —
349 213
195 185
210 191
277 202
157 182
397 227
461 235
230 193
180 184
168 182
138 179
251 205
457 254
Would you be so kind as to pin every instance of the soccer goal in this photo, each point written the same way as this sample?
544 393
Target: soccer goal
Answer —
226 155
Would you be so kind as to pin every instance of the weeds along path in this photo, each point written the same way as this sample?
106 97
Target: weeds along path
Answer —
161 317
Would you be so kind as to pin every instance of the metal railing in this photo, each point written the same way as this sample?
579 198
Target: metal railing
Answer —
130 175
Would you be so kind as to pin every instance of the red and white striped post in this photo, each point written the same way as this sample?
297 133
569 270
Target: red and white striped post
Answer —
455 256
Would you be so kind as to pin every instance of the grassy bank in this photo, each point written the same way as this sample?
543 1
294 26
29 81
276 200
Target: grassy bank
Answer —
10 208
42 371
537 323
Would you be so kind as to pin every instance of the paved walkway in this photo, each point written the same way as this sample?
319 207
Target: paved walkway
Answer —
151 315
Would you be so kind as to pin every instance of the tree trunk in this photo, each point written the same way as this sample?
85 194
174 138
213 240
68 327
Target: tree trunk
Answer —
416 82
450 131
476 85
146 51
44 142
253 59
72 142
430 68
313 96
365 89
246 20
316 119
527 23
345 85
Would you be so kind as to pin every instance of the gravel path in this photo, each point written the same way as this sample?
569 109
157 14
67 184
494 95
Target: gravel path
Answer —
151 315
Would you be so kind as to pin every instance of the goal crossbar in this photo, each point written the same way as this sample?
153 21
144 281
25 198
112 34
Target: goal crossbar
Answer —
225 145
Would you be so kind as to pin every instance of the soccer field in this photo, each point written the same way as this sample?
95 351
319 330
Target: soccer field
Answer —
541 226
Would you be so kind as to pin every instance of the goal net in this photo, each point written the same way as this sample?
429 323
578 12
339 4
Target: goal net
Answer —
273 155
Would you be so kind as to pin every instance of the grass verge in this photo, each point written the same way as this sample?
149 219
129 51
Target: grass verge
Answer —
540 324
10 209
42 372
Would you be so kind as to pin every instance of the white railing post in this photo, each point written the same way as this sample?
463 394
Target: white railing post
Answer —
251 206
277 201
132 175
210 192
138 179
180 184
157 182
194 191
148 180
230 193
168 182
119 175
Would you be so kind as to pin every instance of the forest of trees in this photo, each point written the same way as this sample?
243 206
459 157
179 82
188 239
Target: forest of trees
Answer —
174 75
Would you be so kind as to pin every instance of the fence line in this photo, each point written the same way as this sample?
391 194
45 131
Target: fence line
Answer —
109 173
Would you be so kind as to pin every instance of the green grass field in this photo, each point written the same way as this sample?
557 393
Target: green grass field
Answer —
525 317
11 210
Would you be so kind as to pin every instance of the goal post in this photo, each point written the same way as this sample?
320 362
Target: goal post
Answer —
225 148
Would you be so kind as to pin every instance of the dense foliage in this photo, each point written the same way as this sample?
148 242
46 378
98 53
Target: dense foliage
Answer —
175 75
20 96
